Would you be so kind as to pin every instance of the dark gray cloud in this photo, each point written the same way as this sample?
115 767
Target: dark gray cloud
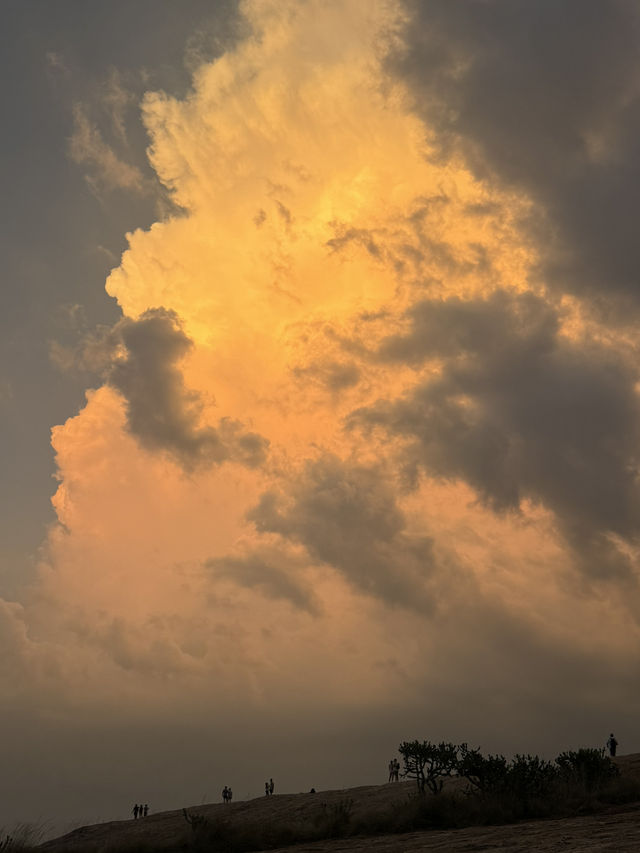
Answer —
335 375
348 236
520 411
546 96
258 570
143 365
346 515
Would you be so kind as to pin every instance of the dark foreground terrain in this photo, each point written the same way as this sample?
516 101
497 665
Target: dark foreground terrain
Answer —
612 828
615 832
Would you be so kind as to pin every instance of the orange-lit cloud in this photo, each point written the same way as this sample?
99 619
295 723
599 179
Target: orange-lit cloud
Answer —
344 448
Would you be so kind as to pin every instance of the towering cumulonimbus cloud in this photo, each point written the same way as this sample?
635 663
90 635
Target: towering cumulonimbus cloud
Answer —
353 418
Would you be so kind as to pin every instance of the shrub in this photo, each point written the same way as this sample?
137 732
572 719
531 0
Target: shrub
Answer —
530 776
588 768
429 763
619 790
486 775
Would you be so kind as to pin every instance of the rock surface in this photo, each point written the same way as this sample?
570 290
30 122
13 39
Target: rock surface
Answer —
617 829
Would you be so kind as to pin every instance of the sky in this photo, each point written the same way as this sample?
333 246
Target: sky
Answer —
319 391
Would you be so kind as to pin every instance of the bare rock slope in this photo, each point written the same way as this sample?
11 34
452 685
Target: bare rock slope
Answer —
615 829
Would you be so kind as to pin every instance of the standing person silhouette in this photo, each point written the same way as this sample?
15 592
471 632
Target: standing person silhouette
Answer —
612 745
135 811
271 787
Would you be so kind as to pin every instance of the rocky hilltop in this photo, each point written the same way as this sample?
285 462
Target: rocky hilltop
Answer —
615 828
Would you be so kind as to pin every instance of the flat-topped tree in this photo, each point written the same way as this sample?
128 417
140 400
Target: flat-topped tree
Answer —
429 763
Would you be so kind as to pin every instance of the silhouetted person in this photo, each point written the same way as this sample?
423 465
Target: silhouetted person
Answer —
266 789
135 811
145 811
396 770
612 745
225 794
229 794
271 787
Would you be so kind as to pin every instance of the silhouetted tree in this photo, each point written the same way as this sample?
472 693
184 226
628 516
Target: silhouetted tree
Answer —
530 779
487 775
587 767
429 763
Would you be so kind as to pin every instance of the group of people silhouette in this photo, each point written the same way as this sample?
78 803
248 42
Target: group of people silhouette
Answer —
227 794
140 811
269 788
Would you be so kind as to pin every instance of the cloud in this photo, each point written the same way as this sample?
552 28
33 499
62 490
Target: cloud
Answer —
520 411
106 170
6 391
117 99
347 516
332 267
15 639
335 375
144 357
545 97
272 572
55 64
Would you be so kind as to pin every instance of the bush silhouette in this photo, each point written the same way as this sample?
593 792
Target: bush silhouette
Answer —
429 763
589 768
486 775
530 776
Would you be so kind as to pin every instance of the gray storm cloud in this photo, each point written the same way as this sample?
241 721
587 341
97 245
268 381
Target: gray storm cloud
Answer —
270 572
546 97
143 359
346 515
334 375
520 411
